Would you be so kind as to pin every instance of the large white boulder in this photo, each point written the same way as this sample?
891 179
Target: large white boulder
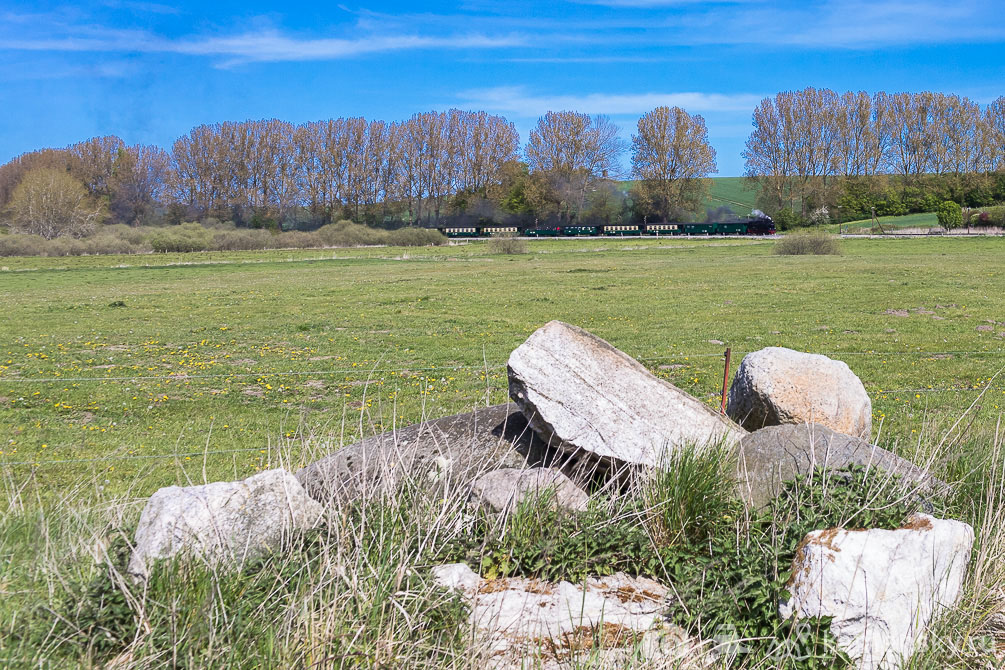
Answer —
222 522
531 623
502 489
882 587
776 386
588 398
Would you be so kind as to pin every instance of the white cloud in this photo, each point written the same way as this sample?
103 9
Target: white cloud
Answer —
260 46
518 101
843 24
273 46
632 33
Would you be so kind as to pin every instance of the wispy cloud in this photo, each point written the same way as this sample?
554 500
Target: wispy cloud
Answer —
842 24
266 45
112 69
634 31
274 47
517 100
146 7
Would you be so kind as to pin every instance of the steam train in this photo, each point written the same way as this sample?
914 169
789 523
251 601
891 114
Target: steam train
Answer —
753 226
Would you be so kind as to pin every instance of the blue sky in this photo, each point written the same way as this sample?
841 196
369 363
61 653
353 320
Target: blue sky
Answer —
149 71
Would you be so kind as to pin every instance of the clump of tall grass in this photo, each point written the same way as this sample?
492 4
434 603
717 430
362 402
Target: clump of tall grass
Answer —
507 244
691 495
803 244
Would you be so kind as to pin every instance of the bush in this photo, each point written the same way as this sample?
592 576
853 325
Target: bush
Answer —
950 215
416 237
22 245
814 244
786 219
138 237
295 239
241 240
348 234
986 216
507 244
186 237
111 243
212 235
66 246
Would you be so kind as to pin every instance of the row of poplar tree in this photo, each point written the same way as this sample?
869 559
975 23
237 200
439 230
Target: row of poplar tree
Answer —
432 166
435 166
807 147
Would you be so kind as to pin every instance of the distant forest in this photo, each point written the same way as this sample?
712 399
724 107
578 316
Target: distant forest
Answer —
812 154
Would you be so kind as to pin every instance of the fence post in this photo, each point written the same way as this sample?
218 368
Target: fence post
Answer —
725 381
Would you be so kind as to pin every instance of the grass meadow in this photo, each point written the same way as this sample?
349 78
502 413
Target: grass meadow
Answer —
222 357
119 375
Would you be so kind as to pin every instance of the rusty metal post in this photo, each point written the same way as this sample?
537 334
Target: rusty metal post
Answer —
725 381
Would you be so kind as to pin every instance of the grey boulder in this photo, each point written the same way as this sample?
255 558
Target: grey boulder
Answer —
777 385
501 490
452 450
222 522
589 399
882 587
776 454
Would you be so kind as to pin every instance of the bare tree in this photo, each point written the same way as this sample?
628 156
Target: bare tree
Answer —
137 183
994 124
672 157
95 161
573 151
51 203
13 171
857 138
770 159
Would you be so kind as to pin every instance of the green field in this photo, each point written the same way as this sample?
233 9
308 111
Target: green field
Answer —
119 375
137 372
922 221
732 192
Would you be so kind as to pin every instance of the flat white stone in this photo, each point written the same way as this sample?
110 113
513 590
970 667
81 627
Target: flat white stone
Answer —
586 397
882 587
518 619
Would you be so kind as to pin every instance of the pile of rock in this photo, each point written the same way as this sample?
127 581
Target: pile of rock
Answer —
583 411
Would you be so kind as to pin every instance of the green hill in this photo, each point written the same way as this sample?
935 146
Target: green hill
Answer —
729 192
